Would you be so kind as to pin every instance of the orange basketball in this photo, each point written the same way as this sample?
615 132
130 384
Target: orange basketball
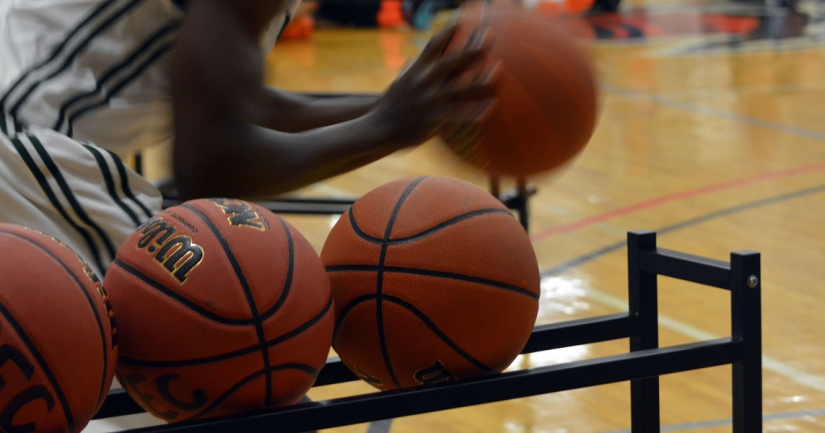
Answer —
58 340
225 308
433 280
545 112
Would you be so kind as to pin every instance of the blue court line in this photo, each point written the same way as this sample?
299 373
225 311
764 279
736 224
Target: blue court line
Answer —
724 422
671 103
671 228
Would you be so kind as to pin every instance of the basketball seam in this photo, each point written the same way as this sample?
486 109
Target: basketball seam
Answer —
236 267
426 320
42 362
229 355
265 371
102 391
343 313
289 273
360 233
177 297
380 278
435 274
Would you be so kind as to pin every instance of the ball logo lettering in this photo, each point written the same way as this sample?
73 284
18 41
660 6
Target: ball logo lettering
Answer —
240 214
434 374
178 255
199 398
12 359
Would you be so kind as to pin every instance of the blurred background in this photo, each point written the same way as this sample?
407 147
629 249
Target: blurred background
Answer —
711 132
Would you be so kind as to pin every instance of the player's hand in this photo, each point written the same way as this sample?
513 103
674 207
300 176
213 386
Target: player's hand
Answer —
440 90
462 137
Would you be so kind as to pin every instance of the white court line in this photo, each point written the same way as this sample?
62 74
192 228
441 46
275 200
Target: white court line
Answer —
768 363
708 111
723 422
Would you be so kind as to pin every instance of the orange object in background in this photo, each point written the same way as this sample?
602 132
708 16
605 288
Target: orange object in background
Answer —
392 46
390 15
301 27
564 6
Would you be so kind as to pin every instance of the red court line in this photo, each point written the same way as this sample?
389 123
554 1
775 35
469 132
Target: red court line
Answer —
565 228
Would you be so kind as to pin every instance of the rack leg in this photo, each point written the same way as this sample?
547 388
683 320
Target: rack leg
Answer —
746 317
643 299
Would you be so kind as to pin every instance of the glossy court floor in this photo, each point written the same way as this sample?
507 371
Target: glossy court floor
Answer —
712 133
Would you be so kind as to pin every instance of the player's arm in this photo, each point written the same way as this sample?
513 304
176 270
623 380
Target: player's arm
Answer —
294 112
220 149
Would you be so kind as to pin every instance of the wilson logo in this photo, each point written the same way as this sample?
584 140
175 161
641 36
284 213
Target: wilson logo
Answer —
177 254
241 214
436 373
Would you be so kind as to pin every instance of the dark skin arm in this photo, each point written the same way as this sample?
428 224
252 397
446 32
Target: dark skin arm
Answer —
233 138
293 112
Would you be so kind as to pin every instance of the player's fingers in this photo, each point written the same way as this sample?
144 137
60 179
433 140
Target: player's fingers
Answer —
432 53
478 114
407 65
438 44
466 123
478 39
461 136
481 85
454 65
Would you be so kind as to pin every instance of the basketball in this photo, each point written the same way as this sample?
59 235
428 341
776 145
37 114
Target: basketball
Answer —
546 106
58 339
434 280
226 308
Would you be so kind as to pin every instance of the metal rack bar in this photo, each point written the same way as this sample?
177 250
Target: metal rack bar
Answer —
642 365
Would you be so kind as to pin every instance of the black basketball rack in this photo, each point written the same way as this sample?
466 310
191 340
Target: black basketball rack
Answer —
516 199
641 365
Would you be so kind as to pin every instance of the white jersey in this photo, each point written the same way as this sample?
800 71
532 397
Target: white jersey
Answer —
84 83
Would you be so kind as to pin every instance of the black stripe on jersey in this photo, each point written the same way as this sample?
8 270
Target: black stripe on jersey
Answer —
157 55
9 126
110 183
124 185
67 192
101 91
287 19
49 192
67 62
62 46
7 123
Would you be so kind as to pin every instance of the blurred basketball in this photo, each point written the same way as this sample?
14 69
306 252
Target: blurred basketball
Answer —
546 105
58 340
226 308
434 280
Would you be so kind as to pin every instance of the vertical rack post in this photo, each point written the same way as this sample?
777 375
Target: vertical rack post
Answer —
516 199
644 311
523 195
746 326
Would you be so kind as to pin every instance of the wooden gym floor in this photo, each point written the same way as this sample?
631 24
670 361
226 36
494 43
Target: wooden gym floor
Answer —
711 132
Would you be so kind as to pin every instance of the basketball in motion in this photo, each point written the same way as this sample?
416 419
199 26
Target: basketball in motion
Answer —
225 309
434 280
58 339
546 107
